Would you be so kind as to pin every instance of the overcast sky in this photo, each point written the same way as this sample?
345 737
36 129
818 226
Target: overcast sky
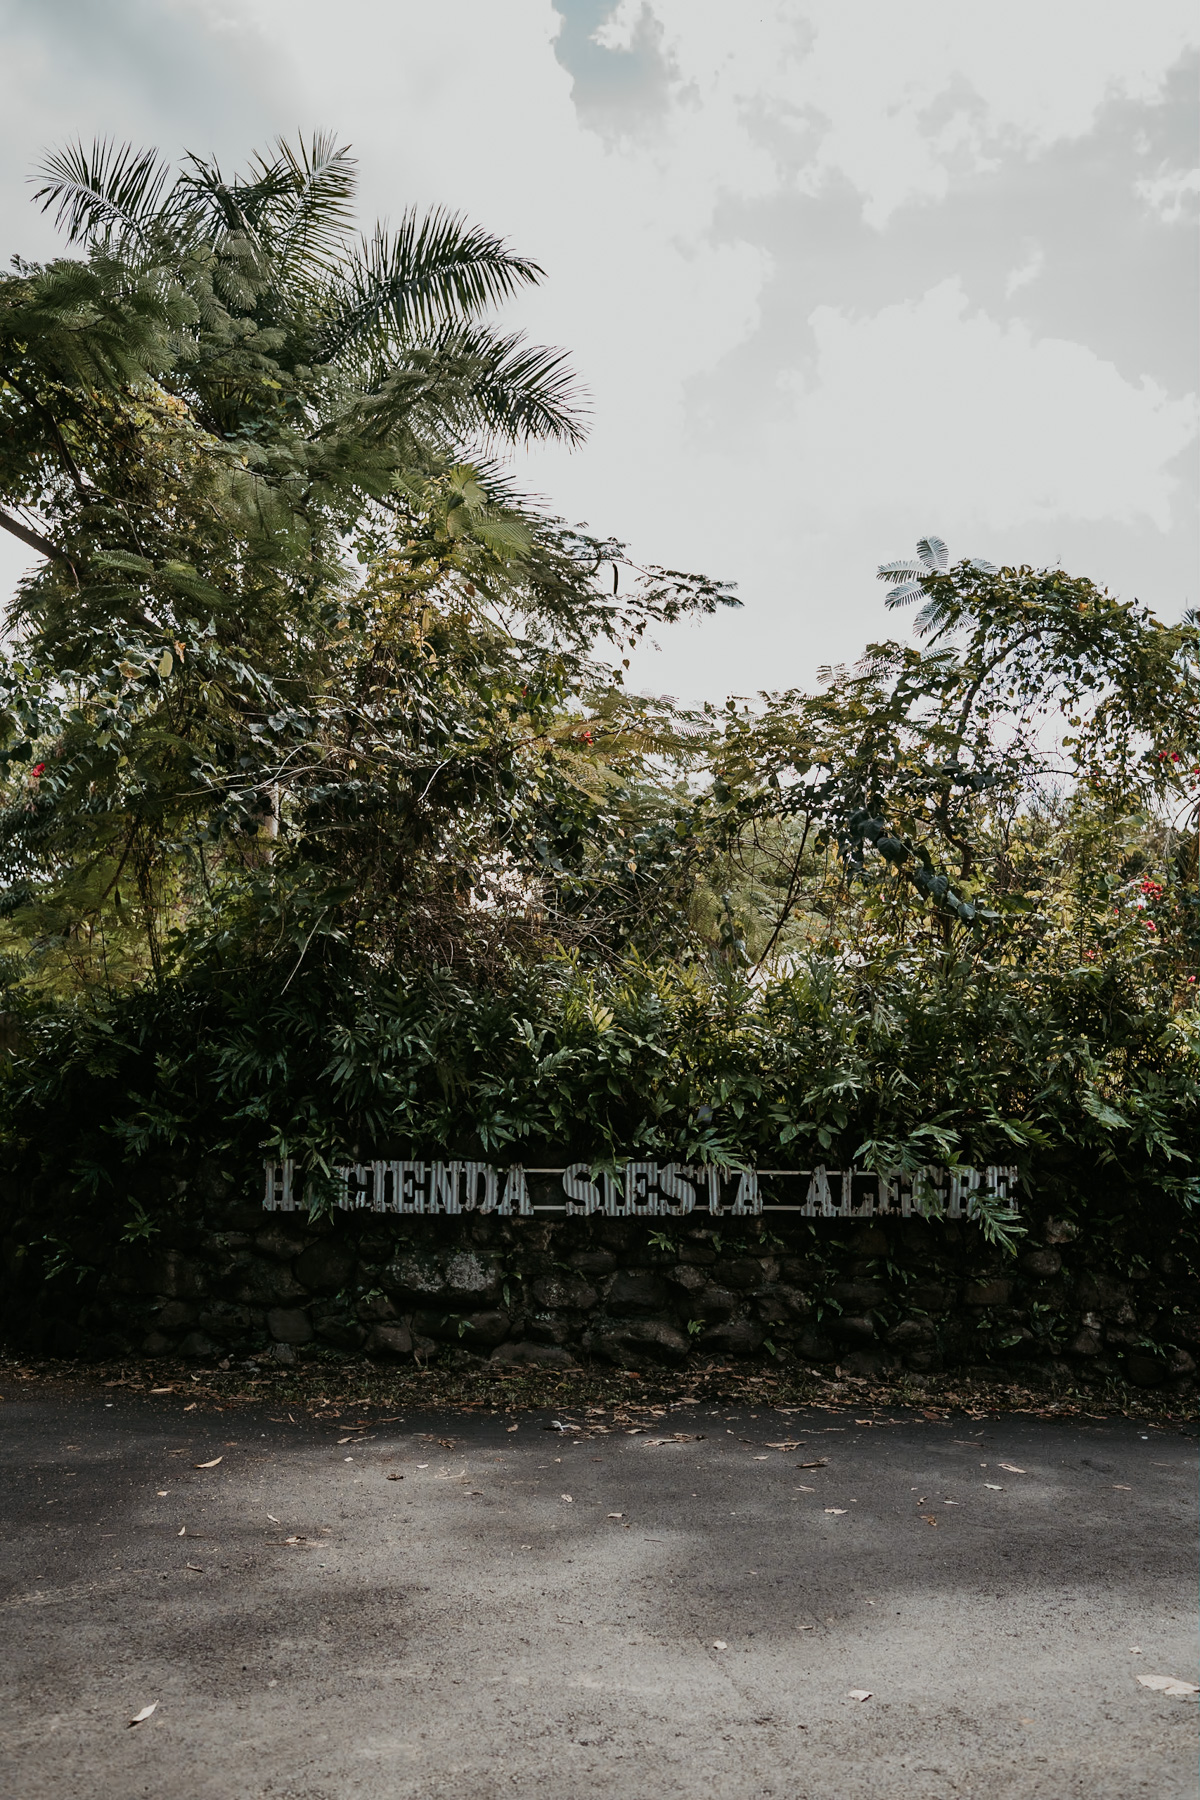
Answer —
836 273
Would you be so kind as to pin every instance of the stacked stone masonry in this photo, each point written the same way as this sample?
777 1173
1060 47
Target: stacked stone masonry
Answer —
870 1297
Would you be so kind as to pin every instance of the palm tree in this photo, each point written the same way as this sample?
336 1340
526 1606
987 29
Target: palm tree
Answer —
391 321
319 377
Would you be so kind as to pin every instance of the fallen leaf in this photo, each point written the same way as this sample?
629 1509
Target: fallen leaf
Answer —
819 1464
1120 1487
209 1465
1168 1684
805 1490
1135 1649
929 1519
182 1532
195 1566
616 1515
1011 1467
512 1428
858 1693
295 1540
788 1446
162 1390
394 1477
720 1644
839 1510
140 1718
995 1486
567 1498
422 1465
192 1407
161 1493
760 1459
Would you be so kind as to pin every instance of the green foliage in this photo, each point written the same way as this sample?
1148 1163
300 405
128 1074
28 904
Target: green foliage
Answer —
327 823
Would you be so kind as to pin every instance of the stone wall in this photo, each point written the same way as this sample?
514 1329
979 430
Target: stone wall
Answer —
871 1296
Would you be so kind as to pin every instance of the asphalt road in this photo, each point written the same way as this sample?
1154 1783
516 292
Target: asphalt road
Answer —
523 1613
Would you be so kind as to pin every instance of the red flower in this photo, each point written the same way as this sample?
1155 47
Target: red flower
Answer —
38 769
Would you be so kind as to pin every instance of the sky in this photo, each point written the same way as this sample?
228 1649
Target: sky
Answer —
835 274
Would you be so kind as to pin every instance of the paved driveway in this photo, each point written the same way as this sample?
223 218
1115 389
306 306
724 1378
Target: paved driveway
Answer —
449 1609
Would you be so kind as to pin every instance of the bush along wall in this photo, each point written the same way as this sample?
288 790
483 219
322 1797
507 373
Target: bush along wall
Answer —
219 1277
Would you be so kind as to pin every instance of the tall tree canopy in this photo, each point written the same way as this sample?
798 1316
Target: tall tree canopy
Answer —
287 591
326 816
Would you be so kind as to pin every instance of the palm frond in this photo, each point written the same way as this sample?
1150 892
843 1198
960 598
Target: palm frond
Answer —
932 617
469 385
905 594
318 210
522 391
891 571
430 270
934 554
294 206
111 194
981 566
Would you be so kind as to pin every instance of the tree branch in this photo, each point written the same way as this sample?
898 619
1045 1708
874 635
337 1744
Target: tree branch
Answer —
36 541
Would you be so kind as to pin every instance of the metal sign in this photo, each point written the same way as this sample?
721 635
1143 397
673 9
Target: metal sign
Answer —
648 1190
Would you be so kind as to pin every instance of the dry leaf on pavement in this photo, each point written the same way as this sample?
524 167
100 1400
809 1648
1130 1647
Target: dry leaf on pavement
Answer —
567 1498
995 1486
929 1519
209 1465
819 1464
1011 1467
839 1510
140 1718
1168 1684
858 1694
720 1644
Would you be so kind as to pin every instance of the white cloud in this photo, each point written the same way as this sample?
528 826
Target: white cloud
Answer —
1171 194
886 420
897 99
1025 272
930 404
